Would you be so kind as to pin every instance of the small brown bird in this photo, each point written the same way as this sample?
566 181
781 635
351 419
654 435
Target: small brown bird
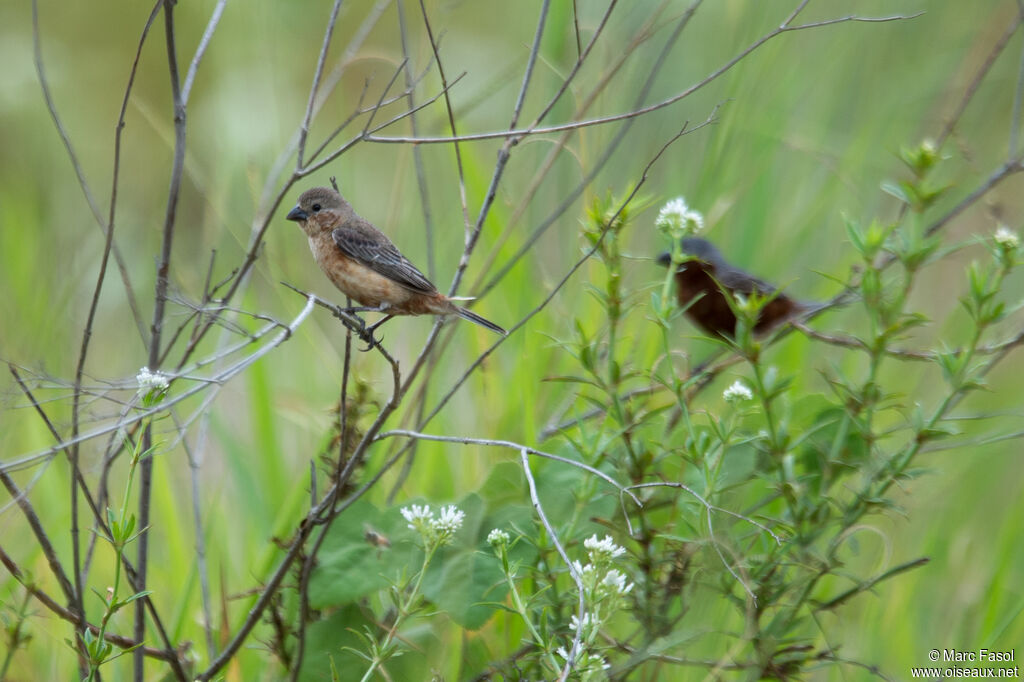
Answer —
708 275
365 265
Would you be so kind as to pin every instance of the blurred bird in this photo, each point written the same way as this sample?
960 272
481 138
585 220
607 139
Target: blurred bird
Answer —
708 274
365 265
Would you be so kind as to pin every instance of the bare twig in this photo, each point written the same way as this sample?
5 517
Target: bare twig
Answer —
870 583
576 577
73 157
605 157
73 618
220 378
417 153
575 125
451 116
1006 170
43 540
514 446
310 562
979 76
321 58
204 43
1012 151
324 513
195 458
159 303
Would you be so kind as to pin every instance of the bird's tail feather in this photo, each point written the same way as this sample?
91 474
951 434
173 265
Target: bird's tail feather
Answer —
473 317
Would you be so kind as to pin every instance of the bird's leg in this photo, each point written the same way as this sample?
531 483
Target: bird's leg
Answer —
366 332
349 316
370 341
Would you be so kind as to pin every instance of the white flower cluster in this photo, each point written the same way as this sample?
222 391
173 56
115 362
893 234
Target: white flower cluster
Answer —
737 392
1006 238
497 537
677 220
149 380
434 531
591 662
152 386
599 579
604 588
605 548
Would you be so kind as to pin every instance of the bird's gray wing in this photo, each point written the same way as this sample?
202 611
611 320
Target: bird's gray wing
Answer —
380 255
741 282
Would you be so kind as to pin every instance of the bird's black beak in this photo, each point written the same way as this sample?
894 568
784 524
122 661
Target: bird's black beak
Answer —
297 214
664 258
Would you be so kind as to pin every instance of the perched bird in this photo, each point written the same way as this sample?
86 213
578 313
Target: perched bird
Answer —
708 274
365 265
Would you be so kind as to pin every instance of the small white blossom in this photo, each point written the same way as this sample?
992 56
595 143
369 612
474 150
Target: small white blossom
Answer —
617 581
1006 238
434 531
563 653
737 392
928 147
150 380
677 220
584 571
418 516
574 622
602 548
497 537
450 520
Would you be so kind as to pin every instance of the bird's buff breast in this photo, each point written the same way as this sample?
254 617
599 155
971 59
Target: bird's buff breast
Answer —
357 281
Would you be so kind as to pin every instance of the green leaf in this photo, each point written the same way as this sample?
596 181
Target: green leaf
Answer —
893 189
351 568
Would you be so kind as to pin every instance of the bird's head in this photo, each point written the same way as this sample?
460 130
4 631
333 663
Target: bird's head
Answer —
700 249
319 209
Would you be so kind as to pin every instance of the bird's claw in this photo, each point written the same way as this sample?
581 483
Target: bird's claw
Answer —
367 336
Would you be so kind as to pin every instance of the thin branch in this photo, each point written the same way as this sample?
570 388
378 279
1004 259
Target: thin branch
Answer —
195 459
707 505
568 275
216 380
1012 151
451 116
321 58
42 539
314 167
870 583
327 88
845 341
576 125
204 43
159 303
326 513
979 76
576 28
73 157
310 562
417 153
70 616
514 446
711 530
1005 171
577 578
606 156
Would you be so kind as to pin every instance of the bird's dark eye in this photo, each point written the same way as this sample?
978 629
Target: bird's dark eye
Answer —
316 207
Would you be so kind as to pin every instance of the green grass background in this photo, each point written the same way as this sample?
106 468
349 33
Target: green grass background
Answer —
810 125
